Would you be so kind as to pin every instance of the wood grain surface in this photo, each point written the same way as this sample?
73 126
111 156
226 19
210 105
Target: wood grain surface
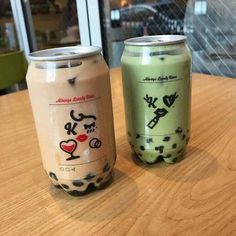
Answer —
196 196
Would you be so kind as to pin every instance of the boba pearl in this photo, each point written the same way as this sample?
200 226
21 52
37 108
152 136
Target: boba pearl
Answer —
65 186
166 139
174 145
53 176
77 183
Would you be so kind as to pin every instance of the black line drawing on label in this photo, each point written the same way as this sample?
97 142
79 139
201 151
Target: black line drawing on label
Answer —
81 116
84 163
70 128
159 112
90 127
150 100
69 147
95 143
170 99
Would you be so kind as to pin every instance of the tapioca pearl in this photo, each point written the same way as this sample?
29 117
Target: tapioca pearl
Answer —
159 148
137 136
142 147
183 136
161 157
99 180
89 176
77 183
149 140
166 139
106 182
174 145
57 186
162 58
76 193
106 168
179 130
65 186
53 176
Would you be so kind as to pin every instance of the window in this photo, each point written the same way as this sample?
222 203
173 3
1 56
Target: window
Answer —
210 28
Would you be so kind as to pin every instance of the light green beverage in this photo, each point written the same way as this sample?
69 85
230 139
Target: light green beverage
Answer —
156 72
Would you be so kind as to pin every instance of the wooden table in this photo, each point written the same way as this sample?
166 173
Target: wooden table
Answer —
196 196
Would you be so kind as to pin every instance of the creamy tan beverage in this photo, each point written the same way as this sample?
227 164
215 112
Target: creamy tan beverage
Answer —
71 100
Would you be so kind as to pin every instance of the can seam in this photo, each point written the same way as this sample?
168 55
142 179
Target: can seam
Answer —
65 53
155 40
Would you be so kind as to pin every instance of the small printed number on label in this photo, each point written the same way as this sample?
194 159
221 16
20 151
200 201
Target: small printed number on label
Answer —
67 169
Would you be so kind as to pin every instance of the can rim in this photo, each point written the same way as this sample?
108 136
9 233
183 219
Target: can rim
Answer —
64 53
156 40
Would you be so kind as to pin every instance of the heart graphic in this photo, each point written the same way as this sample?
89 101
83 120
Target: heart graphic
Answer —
169 100
68 146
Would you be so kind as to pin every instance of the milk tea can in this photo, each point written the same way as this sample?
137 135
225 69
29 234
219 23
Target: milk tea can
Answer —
70 95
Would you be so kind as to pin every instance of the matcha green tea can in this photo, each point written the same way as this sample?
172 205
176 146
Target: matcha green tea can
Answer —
156 74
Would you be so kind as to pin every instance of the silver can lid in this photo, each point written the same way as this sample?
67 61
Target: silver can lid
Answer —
156 40
64 53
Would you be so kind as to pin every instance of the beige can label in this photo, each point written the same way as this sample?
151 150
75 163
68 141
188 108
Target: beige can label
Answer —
79 136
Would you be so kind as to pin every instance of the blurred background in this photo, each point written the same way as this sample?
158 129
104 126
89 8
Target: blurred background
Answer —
54 23
210 27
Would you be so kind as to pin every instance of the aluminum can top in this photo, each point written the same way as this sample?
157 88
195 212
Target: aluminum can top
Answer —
155 40
64 53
